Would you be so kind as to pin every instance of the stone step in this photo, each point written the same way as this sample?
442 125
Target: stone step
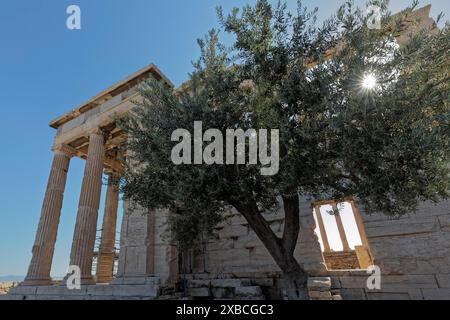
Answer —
320 295
225 289
86 292
247 292
201 292
319 284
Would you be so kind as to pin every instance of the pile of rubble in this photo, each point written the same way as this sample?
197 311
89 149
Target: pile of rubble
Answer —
241 289
207 288
319 288
6 286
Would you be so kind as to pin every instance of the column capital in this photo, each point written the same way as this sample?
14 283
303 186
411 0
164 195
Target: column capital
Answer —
98 131
112 172
64 149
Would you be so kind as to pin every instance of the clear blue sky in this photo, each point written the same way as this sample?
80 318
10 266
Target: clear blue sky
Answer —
45 70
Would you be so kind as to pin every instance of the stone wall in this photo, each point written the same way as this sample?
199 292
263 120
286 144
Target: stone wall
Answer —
413 253
351 285
238 289
148 288
236 249
341 260
144 249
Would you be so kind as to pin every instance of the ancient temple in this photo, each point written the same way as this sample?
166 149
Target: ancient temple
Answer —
412 252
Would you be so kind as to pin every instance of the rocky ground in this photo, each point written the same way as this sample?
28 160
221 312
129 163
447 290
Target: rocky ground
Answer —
6 285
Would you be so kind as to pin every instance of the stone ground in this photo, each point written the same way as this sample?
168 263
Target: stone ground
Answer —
5 286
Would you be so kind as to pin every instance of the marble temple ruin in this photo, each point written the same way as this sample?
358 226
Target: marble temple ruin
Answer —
412 252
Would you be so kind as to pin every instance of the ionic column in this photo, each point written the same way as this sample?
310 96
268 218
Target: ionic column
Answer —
340 227
86 225
44 244
323 233
105 262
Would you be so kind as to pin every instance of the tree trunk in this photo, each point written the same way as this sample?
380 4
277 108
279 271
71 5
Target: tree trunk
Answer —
281 249
296 280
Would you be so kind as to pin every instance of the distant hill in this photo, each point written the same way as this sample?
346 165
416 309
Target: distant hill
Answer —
11 278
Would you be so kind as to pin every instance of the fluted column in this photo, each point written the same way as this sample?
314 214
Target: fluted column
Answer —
86 224
105 262
44 244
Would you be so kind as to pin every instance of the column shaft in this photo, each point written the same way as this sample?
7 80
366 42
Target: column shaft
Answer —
86 225
341 229
359 224
44 245
323 233
105 262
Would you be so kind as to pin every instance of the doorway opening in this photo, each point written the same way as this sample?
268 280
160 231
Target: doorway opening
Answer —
341 234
